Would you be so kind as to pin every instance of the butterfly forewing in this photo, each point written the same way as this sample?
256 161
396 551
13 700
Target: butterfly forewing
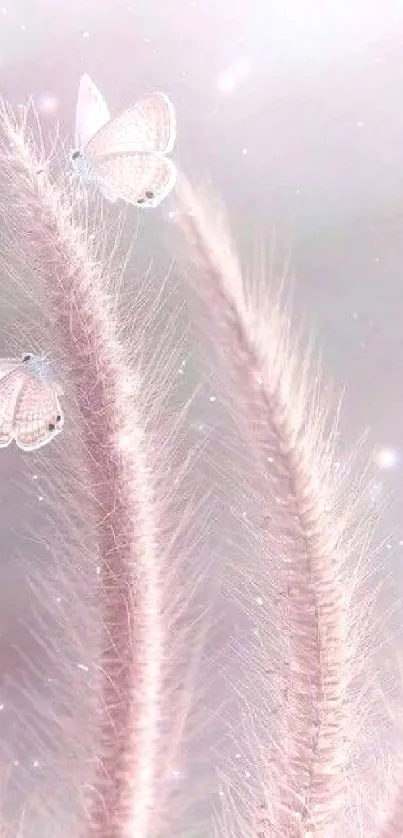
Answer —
38 416
149 125
92 112
138 178
11 384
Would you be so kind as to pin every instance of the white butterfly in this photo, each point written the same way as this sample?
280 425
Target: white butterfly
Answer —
30 411
126 156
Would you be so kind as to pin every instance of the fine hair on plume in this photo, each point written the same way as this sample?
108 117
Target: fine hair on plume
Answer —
128 521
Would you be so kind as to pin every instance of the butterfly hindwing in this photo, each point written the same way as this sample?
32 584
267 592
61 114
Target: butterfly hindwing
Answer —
149 125
38 416
92 112
137 178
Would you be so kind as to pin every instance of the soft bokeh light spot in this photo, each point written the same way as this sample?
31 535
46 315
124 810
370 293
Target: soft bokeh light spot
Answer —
386 458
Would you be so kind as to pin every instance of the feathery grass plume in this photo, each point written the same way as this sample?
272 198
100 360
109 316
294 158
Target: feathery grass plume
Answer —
308 530
390 814
120 482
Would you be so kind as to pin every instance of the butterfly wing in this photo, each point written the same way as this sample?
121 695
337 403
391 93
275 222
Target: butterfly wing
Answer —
144 179
11 383
92 112
150 125
38 416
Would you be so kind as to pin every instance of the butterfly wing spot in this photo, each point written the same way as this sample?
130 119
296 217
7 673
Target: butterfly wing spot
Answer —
149 196
53 425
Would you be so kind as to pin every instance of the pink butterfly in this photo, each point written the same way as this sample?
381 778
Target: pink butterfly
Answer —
30 412
126 156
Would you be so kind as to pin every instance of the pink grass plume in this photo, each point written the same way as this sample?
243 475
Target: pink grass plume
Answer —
120 484
308 529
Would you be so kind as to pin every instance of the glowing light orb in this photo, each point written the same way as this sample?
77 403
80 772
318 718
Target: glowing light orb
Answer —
386 458
231 78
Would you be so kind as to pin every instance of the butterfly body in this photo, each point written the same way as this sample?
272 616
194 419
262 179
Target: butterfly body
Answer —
126 157
30 411
83 168
38 367
88 175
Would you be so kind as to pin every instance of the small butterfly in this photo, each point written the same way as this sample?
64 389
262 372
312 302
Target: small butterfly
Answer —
125 156
30 412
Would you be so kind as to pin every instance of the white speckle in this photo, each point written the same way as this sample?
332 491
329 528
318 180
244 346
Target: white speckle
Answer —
81 666
86 35
213 398
244 151
182 366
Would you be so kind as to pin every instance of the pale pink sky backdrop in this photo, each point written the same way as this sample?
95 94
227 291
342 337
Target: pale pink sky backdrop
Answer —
309 142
